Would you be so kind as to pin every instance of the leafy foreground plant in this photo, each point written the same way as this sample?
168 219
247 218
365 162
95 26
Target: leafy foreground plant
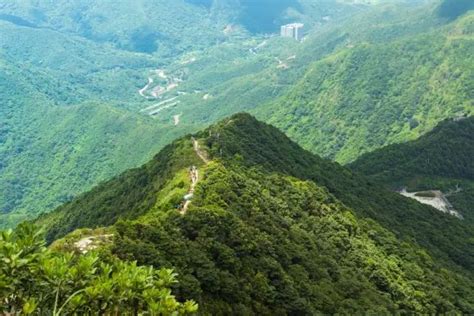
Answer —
37 280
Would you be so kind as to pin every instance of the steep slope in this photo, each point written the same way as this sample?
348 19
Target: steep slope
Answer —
441 160
380 92
68 118
272 229
254 242
166 29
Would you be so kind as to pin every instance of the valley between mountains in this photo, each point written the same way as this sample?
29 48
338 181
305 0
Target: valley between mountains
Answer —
74 113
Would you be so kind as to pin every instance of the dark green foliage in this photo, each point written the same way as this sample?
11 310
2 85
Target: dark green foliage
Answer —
451 9
392 86
242 138
428 194
441 160
446 151
274 229
263 243
69 114
37 281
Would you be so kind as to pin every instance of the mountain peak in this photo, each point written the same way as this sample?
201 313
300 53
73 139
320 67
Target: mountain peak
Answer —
241 142
262 214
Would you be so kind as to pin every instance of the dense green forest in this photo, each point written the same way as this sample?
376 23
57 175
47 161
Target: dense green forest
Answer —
273 228
70 76
135 187
373 94
147 27
442 159
45 162
73 116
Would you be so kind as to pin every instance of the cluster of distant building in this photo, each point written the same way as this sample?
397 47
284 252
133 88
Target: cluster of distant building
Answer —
293 30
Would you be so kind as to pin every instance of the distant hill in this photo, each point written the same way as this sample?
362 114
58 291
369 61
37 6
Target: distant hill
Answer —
389 88
445 151
58 139
139 25
452 9
442 159
273 229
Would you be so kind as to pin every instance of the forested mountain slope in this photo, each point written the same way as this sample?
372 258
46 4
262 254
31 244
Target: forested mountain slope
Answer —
165 28
69 118
372 94
272 228
442 160
262 146
71 75
51 151
330 93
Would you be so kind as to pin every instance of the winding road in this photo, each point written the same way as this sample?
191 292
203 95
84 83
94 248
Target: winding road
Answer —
145 88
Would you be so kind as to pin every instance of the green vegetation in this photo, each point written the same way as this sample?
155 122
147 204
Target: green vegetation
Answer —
142 26
64 129
35 281
264 243
441 159
126 196
381 91
71 112
446 151
270 228
452 9
274 229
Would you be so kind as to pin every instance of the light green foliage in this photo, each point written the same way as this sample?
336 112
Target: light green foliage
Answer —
126 196
138 25
36 280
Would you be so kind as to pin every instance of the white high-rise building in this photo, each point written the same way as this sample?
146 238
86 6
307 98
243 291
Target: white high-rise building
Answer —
292 30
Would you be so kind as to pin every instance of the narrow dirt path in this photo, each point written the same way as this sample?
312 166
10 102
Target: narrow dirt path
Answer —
194 176
201 153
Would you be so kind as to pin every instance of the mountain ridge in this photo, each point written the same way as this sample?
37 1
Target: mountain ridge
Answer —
243 140
267 214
